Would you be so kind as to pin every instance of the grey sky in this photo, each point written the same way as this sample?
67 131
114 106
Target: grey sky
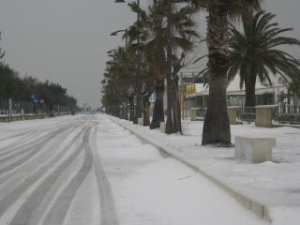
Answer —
66 41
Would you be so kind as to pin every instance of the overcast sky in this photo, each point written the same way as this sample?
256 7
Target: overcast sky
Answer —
66 41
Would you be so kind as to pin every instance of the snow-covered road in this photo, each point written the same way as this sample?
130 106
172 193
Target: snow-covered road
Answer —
88 170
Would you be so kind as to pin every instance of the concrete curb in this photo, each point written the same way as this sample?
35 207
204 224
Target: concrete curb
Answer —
259 209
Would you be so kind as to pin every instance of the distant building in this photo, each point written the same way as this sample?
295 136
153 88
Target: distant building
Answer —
194 92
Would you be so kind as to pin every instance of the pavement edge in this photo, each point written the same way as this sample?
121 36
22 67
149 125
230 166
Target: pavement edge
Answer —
259 209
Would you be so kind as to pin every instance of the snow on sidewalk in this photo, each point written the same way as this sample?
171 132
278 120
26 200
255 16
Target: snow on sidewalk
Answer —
151 189
276 184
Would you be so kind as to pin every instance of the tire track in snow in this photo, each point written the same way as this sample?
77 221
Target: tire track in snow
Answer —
31 136
107 203
12 136
59 209
30 166
14 195
26 147
28 155
31 139
31 143
25 140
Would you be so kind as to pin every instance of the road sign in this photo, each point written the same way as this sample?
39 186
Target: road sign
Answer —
35 100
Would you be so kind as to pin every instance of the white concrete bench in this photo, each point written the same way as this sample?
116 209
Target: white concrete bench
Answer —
185 127
140 121
194 114
163 127
255 150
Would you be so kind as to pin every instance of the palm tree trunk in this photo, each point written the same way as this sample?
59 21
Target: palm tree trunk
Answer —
159 71
250 91
173 124
158 112
131 107
170 85
176 107
146 108
170 113
138 104
125 109
216 129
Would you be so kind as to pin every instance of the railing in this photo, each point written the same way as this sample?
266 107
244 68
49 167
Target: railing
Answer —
10 110
246 114
282 115
4 109
193 113
287 114
201 113
21 107
61 110
185 113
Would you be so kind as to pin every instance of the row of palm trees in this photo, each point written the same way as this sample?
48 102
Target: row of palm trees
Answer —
149 37
160 42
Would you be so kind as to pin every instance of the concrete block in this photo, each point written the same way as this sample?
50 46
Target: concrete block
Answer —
264 115
185 127
163 127
193 114
255 150
22 114
140 121
232 114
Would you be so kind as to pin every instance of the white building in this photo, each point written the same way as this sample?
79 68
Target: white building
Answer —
196 94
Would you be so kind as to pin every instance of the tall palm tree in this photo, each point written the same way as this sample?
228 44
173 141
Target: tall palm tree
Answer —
152 34
216 129
118 80
181 38
151 30
254 53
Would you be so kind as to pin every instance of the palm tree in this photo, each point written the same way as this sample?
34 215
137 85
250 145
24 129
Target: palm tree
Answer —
151 29
216 129
254 52
118 81
181 38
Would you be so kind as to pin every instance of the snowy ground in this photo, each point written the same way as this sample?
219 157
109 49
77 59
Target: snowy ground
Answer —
89 170
274 184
